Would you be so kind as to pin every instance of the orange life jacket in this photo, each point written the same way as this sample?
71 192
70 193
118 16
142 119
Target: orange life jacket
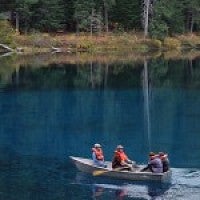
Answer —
98 153
121 155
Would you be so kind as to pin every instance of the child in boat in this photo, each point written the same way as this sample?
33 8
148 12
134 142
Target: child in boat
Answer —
97 156
154 165
121 160
165 161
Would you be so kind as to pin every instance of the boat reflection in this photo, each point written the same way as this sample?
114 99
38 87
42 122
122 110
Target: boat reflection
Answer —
156 191
120 190
97 191
136 191
120 194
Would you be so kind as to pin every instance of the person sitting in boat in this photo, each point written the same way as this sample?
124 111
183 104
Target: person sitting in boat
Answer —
154 165
121 160
97 156
165 161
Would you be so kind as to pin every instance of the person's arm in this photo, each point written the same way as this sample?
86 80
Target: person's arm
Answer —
152 162
128 161
118 160
94 157
131 162
103 157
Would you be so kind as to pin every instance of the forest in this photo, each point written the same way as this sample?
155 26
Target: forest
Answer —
157 18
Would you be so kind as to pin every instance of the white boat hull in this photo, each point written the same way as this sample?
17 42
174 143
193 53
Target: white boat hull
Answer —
86 165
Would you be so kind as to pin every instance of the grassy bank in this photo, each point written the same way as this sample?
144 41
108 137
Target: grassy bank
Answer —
125 42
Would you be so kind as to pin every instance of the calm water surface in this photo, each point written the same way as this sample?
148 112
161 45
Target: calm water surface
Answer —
48 113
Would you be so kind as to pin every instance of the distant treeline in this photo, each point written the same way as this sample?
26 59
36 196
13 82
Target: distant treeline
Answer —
160 18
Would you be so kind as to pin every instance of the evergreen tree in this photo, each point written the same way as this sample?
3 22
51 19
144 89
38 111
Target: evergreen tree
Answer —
48 15
23 13
167 18
127 14
192 14
159 17
107 5
96 22
83 13
69 14
6 5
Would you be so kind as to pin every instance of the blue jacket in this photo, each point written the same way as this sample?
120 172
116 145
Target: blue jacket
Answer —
156 165
99 163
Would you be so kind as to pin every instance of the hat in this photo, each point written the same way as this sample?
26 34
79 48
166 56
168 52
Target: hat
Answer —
152 153
120 147
161 153
97 146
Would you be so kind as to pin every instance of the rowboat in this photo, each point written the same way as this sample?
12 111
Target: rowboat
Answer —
87 166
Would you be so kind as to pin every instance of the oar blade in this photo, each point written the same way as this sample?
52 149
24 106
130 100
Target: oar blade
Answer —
99 172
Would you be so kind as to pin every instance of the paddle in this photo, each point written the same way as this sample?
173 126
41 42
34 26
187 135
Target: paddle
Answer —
102 171
99 172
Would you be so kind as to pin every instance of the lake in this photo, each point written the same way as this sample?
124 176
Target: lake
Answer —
51 110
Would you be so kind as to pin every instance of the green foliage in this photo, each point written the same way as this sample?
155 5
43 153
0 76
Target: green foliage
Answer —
6 32
167 18
69 14
127 14
83 13
158 29
6 5
172 43
40 40
49 15
23 8
192 14
154 43
109 3
42 15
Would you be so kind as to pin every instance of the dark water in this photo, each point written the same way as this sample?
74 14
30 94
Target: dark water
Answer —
48 113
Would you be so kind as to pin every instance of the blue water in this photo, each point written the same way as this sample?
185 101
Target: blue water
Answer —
42 126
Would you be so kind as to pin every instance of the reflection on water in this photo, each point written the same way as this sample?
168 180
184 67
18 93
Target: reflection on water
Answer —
161 73
183 186
49 112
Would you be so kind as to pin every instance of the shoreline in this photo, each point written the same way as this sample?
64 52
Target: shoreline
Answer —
109 43
40 59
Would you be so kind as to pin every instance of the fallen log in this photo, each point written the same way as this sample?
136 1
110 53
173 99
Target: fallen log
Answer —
56 50
7 48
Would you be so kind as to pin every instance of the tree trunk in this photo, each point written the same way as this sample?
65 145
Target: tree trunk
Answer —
77 28
8 49
91 22
106 15
146 17
189 20
17 22
191 23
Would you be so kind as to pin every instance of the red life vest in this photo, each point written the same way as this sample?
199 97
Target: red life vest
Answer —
121 155
98 153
